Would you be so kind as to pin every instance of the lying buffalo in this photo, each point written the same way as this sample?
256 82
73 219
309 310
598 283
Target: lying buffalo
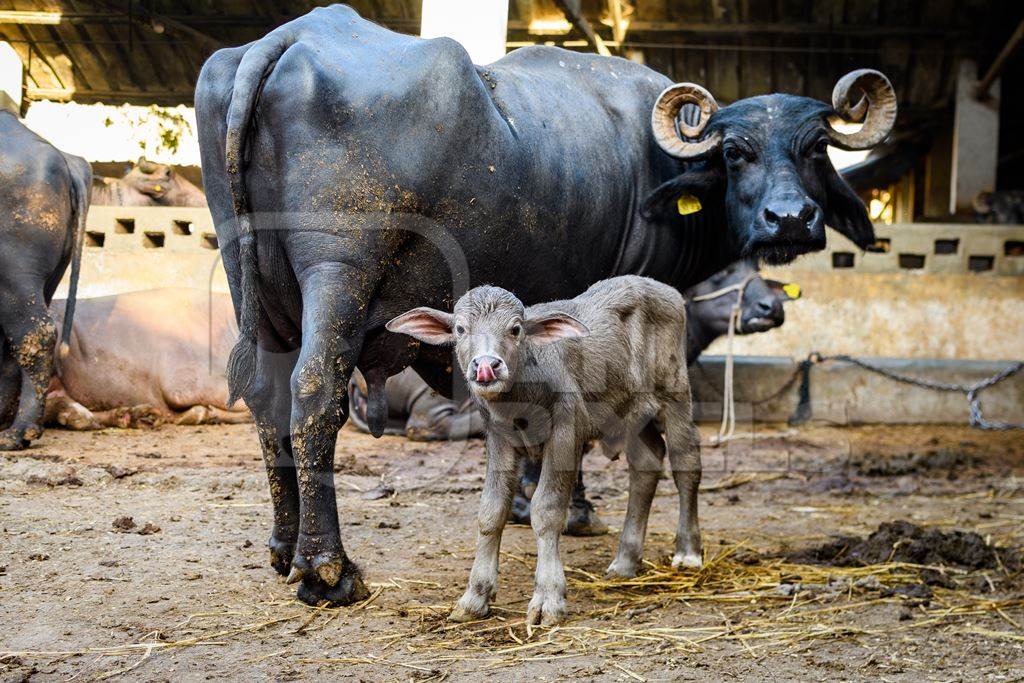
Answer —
145 357
44 197
147 184
354 173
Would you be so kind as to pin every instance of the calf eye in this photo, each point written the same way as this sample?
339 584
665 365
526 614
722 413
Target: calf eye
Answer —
515 330
459 329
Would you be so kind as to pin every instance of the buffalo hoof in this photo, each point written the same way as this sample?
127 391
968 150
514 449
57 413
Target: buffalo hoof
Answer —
547 608
13 440
583 521
348 590
687 561
520 512
471 606
281 556
622 568
282 549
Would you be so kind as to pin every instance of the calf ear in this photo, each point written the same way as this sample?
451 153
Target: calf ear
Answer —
846 212
554 326
426 324
787 291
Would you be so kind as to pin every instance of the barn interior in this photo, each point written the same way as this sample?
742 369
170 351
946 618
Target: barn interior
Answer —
872 406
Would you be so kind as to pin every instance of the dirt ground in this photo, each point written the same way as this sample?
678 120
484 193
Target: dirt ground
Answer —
183 590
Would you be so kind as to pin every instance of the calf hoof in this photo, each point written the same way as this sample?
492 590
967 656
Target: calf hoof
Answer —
621 569
687 561
546 610
13 440
33 432
583 521
348 590
520 512
470 607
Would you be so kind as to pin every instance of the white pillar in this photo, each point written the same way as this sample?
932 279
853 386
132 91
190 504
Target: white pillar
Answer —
480 25
11 74
975 140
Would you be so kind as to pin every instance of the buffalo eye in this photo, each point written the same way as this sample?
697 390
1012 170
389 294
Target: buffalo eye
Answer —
820 147
733 154
515 330
460 330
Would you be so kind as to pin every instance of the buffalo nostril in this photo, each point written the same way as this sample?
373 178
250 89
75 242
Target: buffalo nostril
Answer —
764 307
495 363
807 213
771 217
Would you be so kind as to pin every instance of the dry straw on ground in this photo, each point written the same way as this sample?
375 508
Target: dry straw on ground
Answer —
767 606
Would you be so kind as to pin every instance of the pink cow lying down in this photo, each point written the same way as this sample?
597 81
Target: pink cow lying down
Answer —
145 358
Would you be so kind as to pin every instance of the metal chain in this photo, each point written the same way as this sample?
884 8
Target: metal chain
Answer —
972 391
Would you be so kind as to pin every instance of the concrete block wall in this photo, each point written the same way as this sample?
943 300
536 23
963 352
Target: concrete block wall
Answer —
929 291
135 248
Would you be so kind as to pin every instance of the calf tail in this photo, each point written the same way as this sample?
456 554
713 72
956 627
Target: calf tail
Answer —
257 63
80 187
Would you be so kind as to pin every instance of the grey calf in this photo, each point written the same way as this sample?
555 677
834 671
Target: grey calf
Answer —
619 377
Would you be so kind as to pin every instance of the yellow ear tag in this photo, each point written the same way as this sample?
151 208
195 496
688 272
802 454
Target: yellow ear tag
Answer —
792 290
688 204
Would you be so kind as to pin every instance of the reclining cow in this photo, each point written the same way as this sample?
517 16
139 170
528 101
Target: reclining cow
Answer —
44 198
147 184
145 357
619 377
387 171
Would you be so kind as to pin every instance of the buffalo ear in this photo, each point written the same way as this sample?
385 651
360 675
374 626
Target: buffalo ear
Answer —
663 200
552 327
846 212
785 291
428 325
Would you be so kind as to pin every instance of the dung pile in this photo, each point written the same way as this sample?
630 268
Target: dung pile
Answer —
903 541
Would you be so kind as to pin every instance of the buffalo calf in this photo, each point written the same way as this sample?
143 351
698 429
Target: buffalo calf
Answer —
618 376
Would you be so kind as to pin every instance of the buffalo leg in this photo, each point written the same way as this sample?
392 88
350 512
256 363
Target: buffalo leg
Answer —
10 384
645 453
270 402
684 458
319 409
31 337
548 511
495 501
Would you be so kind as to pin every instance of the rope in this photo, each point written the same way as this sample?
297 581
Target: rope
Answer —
727 429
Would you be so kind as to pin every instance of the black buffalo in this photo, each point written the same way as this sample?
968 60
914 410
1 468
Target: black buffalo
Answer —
354 173
44 197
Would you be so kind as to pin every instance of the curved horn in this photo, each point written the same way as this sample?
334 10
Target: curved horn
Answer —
145 165
876 108
666 112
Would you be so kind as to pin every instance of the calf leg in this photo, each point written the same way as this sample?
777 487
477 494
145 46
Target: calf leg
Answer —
645 453
683 441
31 336
495 502
548 510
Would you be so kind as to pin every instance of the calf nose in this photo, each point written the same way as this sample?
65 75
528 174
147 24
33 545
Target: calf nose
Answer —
484 367
790 218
